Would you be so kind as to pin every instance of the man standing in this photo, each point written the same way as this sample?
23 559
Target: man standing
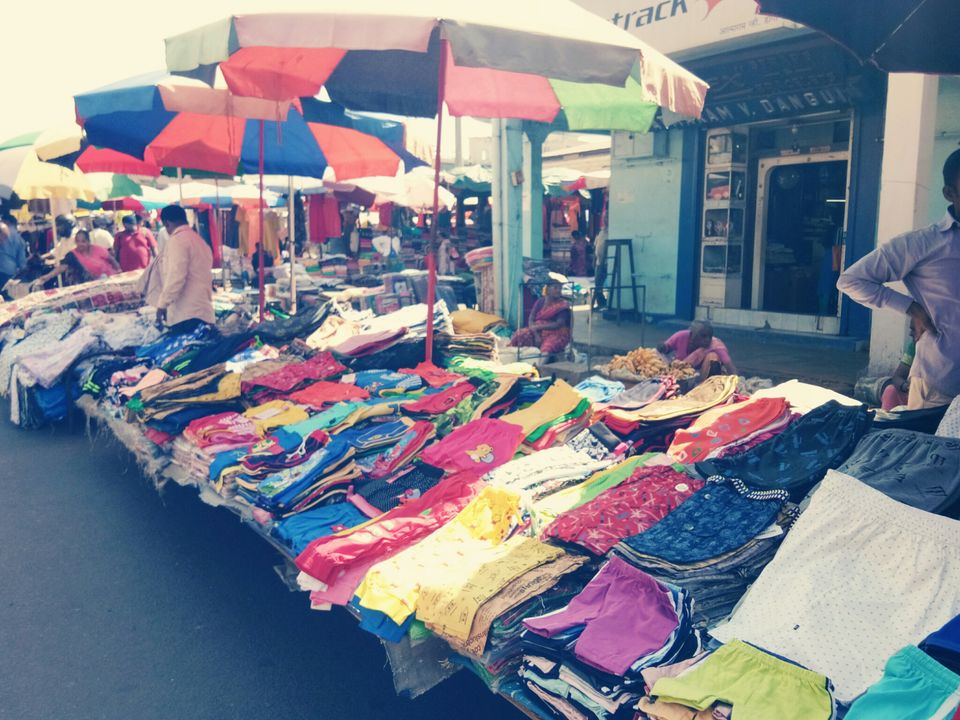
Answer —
928 263
13 249
99 235
132 247
179 282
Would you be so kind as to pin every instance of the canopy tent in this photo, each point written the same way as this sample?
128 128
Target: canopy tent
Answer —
498 59
893 35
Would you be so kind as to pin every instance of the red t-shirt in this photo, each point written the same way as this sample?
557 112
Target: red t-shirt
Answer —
133 248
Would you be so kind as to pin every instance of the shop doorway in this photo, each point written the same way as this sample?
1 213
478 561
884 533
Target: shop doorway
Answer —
799 233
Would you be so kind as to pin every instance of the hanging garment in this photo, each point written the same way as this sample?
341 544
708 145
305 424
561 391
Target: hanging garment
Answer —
325 220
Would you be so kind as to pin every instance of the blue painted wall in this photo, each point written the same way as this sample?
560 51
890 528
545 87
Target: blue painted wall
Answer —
645 206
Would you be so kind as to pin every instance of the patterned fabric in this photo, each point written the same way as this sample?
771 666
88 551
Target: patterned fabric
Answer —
725 426
635 505
950 425
799 457
913 468
715 520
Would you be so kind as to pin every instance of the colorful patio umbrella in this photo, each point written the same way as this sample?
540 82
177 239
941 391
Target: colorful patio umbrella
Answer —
893 35
22 172
175 122
498 58
145 117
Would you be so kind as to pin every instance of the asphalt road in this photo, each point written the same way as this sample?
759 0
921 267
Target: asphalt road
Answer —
116 602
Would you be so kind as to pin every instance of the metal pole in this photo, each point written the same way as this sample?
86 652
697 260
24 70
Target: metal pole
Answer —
432 245
292 243
261 278
180 184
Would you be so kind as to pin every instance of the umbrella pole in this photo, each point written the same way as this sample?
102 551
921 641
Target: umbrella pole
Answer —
216 221
292 240
180 184
432 245
260 273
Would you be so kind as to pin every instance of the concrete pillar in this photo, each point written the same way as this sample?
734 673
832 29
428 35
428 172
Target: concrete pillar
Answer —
904 191
507 225
534 136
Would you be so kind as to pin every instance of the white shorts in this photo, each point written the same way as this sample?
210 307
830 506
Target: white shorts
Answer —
858 577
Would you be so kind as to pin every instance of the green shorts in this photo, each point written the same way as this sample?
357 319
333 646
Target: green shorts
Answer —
758 685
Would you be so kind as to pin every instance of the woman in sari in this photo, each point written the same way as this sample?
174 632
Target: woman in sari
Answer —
550 322
84 263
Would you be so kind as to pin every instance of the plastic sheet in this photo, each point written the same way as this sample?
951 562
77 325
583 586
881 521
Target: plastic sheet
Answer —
419 666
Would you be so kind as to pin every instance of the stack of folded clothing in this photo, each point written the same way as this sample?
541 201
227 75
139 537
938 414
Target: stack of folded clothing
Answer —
440 401
479 446
643 393
322 394
204 438
298 531
798 457
729 425
586 659
714 544
432 375
542 474
332 567
598 441
170 406
911 467
370 342
322 479
862 554
295 374
559 414
384 383
445 579
740 681
482 346
598 389
635 422
503 655
635 505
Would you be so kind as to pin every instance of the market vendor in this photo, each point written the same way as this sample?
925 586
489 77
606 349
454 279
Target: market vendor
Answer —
179 282
84 263
698 347
550 324
926 261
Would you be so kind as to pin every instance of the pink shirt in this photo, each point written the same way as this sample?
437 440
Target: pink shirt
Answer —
96 262
678 344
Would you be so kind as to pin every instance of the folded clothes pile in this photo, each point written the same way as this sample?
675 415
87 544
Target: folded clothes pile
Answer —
598 389
799 457
633 506
325 477
910 467
738 681
586 659
481 346
714 544
875 563
727 426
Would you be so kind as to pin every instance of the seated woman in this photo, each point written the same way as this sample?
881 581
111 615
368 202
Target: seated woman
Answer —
84 263
550 322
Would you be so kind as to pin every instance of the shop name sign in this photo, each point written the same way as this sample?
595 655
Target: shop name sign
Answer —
776 106
678 25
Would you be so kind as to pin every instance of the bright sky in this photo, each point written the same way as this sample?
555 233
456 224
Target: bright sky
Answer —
52 50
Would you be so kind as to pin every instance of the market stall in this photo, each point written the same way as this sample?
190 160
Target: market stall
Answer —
614 549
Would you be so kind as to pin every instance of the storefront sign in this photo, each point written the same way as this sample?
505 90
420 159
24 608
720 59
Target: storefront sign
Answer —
798 77
673 26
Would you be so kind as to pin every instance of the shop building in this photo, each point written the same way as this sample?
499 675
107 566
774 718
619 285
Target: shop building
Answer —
748 216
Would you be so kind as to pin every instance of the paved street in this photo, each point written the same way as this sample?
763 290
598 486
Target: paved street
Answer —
116 603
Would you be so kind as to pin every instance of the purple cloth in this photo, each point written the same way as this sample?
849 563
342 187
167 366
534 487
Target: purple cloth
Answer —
625 614
928 263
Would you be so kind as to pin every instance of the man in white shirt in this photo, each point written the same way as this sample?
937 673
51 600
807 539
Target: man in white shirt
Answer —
179 282
100 235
